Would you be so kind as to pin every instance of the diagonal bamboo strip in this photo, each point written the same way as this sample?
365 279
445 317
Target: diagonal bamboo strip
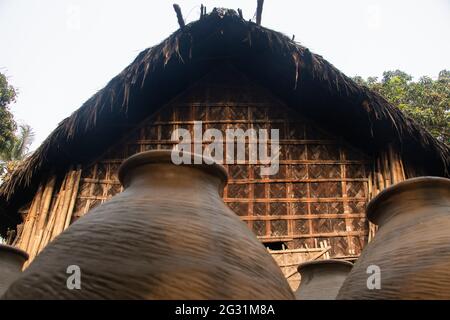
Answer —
66 202
50 224
379 173
40 224
63 204
388 169
29 222
48 194
74 193
47 231
37 212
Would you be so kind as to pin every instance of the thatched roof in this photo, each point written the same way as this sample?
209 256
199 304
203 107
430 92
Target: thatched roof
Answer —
300 78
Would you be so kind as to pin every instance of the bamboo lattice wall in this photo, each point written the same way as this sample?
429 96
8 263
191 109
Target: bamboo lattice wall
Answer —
318 197
318 194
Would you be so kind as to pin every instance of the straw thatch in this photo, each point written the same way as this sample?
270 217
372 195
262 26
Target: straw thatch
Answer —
303 79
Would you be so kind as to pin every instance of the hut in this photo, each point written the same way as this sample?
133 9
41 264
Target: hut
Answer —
340 142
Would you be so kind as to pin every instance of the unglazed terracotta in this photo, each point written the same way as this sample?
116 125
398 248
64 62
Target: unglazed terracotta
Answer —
169 235
321 279
11 264
411 247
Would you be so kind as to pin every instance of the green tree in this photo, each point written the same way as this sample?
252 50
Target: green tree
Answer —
7 123
426 100
16 149
13 146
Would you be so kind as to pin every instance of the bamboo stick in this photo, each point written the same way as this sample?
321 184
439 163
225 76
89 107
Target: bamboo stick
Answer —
348 225
392 165
29 222
36 218
44 219
73 198
91 187
61 196
259 9
380 178
180 19
49 228
374 193
48 194
64 204
41 218
67 199
386 173
372 179
372 231
19 230
374 187
34 245
400 174
398 169
402 169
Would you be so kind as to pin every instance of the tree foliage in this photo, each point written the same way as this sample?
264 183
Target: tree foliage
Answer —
7 123
16 149
427 101
13 145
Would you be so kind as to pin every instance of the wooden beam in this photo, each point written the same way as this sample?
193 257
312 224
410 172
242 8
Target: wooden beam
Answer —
304 217
179 15
274 200
259 10
240 13
312 235
201 11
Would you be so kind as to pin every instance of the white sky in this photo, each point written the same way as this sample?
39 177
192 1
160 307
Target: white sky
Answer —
60 52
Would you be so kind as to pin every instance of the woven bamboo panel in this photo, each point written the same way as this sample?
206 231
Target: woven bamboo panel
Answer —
319 193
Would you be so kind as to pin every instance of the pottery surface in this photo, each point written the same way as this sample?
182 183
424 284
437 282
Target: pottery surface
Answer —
321 279
409 258
11 263
168 235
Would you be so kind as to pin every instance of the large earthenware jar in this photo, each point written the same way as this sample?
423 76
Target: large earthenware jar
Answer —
168 235
11 263
321 279
409 258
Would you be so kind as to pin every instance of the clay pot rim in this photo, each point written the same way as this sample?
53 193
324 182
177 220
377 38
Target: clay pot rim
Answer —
310 263
17 251
164 156
420 182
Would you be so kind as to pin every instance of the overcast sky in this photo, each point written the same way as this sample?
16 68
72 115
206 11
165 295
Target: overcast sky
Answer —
60 52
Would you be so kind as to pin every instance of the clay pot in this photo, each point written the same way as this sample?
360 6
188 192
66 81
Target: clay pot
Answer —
411 249
321 279
11 263
168 235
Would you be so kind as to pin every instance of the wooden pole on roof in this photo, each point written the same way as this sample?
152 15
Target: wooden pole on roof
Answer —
179 15
259 9
202 11
240 13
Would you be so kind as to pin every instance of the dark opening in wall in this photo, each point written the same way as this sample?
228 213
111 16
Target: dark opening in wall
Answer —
276 245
